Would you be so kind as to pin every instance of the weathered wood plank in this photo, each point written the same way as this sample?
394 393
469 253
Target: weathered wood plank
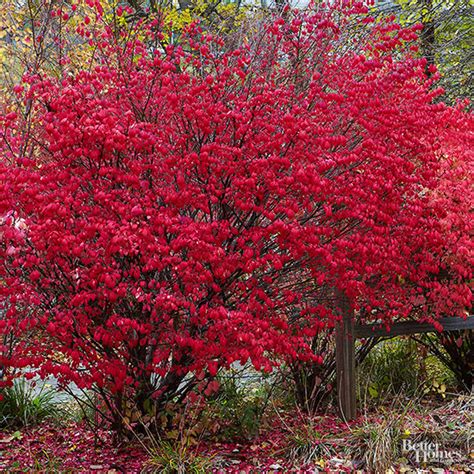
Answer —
347 332
406 328
345 361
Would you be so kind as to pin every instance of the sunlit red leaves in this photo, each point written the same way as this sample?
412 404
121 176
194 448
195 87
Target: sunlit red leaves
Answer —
183 212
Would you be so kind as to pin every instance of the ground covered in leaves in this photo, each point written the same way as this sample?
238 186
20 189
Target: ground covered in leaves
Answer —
435 438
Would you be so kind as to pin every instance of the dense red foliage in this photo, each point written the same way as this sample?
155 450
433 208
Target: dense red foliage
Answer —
178 212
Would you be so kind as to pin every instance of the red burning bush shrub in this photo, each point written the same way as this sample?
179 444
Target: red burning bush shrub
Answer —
169 214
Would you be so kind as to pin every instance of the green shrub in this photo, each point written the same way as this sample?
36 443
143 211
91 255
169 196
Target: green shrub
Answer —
400 366
453 351
390 368
240 403
21 405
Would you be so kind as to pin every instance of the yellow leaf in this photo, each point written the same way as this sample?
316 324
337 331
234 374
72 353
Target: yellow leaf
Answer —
173 434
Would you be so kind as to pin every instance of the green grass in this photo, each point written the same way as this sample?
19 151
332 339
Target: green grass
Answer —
22 406
177 458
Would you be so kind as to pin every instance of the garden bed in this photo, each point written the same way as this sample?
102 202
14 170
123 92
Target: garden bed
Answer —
373 443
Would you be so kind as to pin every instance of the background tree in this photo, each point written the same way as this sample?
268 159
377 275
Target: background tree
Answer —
446 40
